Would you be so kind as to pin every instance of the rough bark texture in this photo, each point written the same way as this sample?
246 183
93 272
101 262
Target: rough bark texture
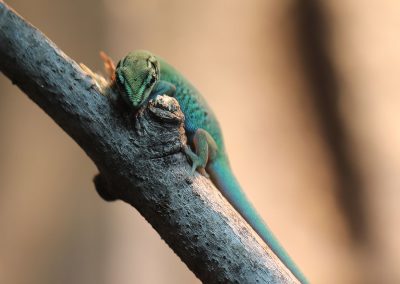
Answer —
140 160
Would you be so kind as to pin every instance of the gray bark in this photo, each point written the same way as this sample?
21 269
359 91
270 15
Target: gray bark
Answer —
140 160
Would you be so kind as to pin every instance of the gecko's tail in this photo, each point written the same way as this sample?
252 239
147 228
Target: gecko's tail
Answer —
222 176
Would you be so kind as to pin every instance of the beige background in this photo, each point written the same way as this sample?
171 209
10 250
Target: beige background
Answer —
245 57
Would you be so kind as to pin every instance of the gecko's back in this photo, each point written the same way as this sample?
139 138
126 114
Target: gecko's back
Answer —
196 110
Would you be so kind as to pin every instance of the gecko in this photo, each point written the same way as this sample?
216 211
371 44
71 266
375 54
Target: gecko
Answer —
141 76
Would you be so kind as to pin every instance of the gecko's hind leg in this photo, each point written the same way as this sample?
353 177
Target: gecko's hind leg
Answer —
205 150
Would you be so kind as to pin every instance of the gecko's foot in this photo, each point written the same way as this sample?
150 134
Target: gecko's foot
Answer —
197 163
203 172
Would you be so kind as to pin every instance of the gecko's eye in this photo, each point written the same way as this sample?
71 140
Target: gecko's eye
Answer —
120 79
153 79
123 86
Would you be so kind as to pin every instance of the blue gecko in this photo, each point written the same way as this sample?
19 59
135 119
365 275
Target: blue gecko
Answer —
140 76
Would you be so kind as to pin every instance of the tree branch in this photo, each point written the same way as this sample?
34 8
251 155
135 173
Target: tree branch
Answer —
140 160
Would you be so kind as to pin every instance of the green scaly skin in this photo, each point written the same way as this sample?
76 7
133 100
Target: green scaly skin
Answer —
141 76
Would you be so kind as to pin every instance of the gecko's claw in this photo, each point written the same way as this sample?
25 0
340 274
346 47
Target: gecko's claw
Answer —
203 172
196 166
193 168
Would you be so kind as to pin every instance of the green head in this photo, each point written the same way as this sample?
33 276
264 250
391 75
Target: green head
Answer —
136 75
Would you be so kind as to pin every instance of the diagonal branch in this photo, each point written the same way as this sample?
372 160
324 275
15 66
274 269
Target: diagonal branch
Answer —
140 160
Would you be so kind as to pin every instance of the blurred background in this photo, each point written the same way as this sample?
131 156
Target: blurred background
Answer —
307 95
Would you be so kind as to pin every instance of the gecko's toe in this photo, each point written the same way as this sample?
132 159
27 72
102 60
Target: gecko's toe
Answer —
194 166
203 172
